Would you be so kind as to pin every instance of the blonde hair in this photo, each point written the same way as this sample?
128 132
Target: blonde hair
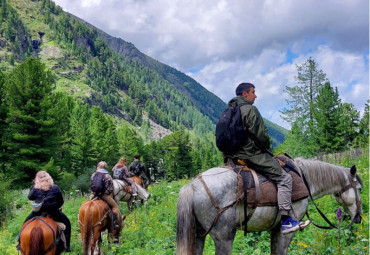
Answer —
102 164
43 181
121 163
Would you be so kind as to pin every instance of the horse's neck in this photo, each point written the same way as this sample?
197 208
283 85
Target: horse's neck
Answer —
321 184
318 192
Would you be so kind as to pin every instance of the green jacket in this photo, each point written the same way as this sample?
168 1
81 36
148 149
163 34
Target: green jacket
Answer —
252 120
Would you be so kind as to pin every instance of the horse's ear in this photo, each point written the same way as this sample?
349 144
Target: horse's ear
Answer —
353 170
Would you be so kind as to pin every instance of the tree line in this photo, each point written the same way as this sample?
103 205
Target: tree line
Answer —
44 129
321 122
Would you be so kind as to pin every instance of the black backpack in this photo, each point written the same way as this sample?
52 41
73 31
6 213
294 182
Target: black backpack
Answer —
98 184
230 134
136 168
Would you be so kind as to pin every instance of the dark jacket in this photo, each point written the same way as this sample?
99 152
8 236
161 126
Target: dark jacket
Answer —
107 179
253 121
53 198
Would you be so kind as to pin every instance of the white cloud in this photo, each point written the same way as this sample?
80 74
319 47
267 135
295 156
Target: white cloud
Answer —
236 41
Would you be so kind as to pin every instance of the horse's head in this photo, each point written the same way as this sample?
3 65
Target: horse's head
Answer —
349 196
116 232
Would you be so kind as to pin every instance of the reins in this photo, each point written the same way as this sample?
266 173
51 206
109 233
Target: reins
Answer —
353 185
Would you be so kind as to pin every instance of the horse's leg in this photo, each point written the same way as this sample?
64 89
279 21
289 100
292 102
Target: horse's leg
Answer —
95 245
224 241
279 241
223 232
199 245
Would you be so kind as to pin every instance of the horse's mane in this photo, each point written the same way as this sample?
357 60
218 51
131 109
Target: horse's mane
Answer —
321 174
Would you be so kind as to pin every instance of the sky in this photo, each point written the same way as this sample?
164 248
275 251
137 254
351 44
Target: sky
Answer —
221 43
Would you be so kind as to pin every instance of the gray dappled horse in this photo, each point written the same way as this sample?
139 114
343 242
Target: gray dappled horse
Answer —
120 193
196 212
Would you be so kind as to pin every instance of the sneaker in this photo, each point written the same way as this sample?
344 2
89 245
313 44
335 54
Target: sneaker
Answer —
135 194
290 225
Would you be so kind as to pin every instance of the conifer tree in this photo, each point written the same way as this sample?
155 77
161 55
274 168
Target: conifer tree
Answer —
363 137
82 156
31 132
104 137
348 123
310 79
3 124
326 113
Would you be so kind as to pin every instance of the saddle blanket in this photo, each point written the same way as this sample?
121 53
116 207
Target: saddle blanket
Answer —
268 191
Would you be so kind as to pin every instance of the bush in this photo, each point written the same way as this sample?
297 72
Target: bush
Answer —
67 181
83 181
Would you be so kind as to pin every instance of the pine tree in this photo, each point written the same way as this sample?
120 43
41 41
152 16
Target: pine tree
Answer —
81 149
61 109
3 124
348 123
310 79
363 136
104 137
31 134
326 112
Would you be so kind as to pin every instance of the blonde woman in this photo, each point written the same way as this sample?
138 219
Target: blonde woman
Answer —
45 190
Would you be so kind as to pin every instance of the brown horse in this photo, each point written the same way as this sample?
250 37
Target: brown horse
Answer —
93 218
40 235
137 180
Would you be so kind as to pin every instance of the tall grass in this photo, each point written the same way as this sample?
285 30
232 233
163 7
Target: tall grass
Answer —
153 231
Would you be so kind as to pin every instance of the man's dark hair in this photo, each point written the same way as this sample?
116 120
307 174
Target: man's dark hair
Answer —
137 156
243 87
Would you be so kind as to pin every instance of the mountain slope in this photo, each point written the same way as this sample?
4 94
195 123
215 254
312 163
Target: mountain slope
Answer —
214 105
102 70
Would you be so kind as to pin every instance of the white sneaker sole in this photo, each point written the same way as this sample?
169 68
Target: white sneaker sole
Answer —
298 227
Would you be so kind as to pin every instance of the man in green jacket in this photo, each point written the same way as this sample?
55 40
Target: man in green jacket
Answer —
255 154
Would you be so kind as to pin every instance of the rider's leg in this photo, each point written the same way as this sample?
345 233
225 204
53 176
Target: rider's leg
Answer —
145 179
113 205
61 217
268 166
132 184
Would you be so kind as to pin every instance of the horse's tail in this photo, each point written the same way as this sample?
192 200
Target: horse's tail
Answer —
143 194
88 227
36 241
185 228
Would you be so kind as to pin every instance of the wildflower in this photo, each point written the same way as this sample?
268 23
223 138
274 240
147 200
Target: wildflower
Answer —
304 245
339 214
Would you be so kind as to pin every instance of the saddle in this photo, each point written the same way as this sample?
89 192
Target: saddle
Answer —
61 228
263 192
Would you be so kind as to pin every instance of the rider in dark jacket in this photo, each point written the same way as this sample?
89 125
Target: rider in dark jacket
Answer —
142 170
45 190
255 154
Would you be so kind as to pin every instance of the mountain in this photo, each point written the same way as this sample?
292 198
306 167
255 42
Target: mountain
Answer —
99 69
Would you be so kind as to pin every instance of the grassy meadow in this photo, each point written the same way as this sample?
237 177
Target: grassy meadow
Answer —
153 231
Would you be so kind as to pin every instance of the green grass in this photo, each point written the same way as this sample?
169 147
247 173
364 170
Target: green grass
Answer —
154 231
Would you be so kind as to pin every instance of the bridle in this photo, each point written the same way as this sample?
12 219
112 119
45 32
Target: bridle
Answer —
352 185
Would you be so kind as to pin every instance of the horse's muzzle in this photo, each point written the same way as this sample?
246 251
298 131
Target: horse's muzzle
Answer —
357 218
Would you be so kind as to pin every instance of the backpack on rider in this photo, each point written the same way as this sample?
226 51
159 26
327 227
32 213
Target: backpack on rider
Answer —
97 184
230 134
136 168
